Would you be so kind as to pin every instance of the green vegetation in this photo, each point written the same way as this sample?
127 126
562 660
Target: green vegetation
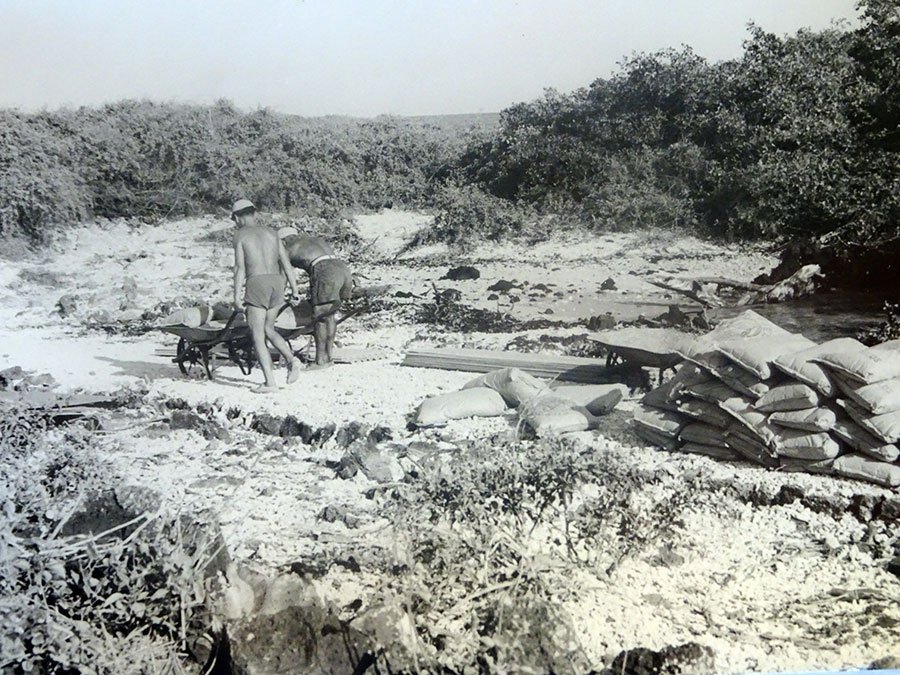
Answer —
797 138
87 586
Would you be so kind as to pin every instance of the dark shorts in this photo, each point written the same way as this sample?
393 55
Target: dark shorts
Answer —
264 290
330 281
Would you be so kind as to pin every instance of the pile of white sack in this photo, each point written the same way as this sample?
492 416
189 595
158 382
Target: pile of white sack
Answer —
751 390
548 408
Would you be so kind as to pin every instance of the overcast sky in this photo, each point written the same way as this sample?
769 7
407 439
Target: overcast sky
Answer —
357 57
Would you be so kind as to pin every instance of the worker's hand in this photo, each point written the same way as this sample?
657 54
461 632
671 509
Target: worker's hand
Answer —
238 306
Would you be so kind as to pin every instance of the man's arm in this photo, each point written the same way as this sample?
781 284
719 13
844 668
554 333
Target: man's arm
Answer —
240 274
286 266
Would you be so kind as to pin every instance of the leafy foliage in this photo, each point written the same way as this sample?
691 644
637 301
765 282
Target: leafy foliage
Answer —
797 137
494 542
129 600
145 160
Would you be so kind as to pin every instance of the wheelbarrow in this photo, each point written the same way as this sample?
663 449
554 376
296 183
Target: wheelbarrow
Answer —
201 346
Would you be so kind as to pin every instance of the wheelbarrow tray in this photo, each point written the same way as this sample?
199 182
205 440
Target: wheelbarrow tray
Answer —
648 347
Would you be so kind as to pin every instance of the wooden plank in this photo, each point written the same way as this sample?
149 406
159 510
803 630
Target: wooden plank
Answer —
565 368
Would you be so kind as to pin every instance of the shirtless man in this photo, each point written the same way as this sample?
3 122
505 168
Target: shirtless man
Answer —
330 283
260 265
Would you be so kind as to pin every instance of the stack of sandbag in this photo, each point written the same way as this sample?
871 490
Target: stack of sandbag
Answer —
749 389
546 410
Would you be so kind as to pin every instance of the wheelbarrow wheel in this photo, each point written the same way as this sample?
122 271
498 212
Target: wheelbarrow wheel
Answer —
190 359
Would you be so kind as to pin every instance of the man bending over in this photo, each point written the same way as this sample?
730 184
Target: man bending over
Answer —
260 265
330 283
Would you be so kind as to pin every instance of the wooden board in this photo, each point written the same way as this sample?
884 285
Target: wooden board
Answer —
565 368
340 354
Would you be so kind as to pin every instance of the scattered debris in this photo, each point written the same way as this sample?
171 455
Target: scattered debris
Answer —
608 285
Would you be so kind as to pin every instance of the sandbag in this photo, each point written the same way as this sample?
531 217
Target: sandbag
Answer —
597 399
878 398
755 423
514 385
756 355
750 447
704 434
822 466
661 421
711 392
550 415
812 419
806 445
744 383
885 426
865 468
667 395
710 413
715 451
746 325
801 366
862 441
192 317
655 438
868 366
788 397
477 402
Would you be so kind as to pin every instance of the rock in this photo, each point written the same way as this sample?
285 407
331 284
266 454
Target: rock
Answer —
291 427
608 285
894 566
687 658
493 296
209 428
382 467
336 514
450 295
100 316
601 322
889 510
42 381
502 286
348 434
379 434
67 305
269 425
9 376
348 466
548 311
323 434
462 273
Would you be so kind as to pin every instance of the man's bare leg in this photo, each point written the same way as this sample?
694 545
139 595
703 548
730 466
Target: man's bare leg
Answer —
331 328
256 318
320 337
293 363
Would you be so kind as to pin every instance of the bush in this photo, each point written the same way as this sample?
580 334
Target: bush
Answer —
466 215
138 159
492 542
796 138
132 600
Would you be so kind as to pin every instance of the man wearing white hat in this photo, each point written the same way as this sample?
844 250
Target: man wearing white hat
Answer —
260 266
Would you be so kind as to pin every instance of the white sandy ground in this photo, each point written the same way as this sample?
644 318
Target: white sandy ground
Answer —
752 582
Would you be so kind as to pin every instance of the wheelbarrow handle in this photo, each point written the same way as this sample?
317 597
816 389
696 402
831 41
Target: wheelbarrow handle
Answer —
231 319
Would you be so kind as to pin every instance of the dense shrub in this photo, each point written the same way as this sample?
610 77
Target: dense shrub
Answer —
466 215
799 136
145 160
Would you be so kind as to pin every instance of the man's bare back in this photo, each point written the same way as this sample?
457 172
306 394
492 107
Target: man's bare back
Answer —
260 248
304 249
